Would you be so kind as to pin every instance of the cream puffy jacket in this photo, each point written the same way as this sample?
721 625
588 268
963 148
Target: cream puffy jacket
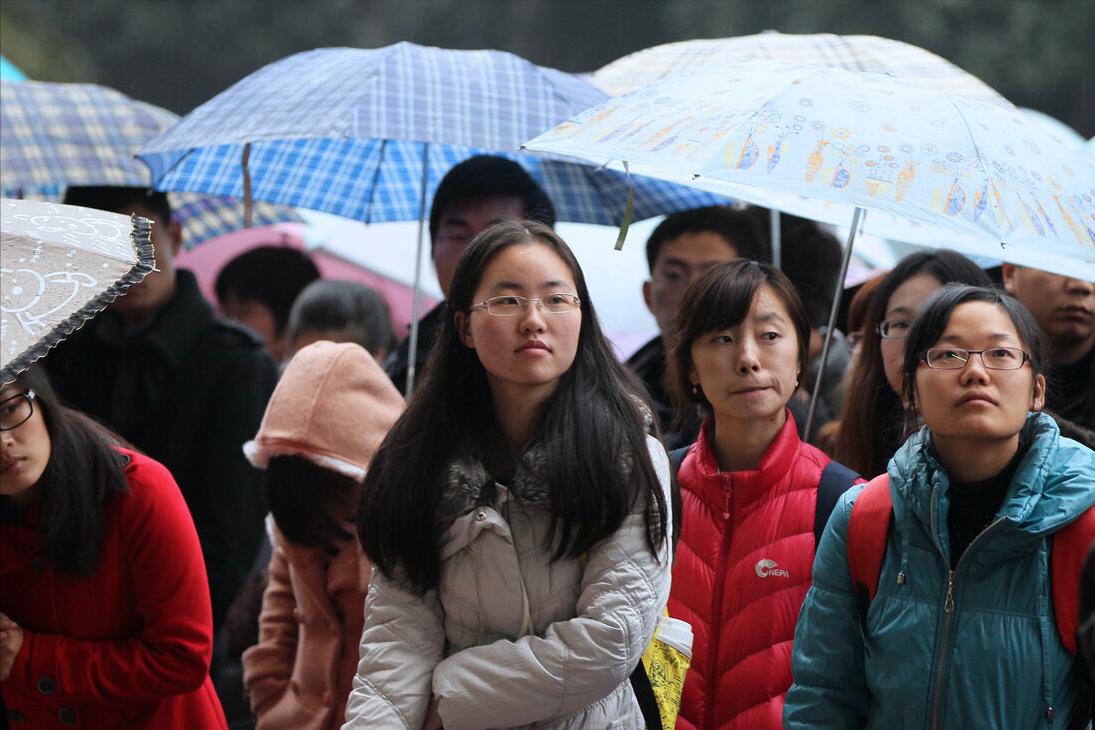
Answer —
557 655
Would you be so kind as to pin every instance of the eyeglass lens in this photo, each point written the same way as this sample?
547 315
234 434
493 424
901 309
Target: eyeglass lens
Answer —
15 411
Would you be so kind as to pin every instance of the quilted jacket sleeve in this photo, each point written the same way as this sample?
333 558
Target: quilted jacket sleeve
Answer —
268 665
829 689
576 662
401 643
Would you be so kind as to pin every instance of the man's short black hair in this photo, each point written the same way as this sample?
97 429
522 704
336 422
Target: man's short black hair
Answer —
484 177
811 258
119 199
736 226
273 275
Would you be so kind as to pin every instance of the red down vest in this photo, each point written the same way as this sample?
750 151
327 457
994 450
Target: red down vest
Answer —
742 571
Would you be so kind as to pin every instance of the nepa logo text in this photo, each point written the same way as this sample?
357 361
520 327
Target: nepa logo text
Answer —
768 567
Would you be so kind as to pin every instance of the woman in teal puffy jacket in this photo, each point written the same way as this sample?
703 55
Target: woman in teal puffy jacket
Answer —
962 632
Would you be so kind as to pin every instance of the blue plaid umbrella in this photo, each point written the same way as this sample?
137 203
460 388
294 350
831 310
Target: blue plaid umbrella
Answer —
345 130
55 135
366 134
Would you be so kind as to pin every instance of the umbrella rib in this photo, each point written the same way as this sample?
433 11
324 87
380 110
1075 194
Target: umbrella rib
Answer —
981 163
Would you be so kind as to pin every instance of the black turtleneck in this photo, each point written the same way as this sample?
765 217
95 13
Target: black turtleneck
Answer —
973 505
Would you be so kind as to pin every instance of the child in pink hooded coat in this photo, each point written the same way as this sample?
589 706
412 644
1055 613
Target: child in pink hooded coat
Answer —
329 413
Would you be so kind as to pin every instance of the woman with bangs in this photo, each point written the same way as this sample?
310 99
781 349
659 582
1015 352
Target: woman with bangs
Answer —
517 515
962 631
749 492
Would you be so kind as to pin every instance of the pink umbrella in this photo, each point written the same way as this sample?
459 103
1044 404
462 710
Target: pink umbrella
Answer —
207 260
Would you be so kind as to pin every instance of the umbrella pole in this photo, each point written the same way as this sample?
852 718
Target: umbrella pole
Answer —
856 219
416 302
774 237
248 201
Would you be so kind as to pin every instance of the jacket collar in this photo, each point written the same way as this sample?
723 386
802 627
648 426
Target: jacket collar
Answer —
469 485
1050 488
174 331
750 484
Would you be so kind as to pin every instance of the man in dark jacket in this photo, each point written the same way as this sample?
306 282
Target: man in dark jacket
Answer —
181 385
472 196
1065 310
680 249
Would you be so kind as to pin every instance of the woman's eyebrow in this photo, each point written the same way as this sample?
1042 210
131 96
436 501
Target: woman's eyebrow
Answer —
997 337
498 286
769 317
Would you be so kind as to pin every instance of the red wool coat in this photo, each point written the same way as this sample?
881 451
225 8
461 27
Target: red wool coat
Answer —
128 646
741 574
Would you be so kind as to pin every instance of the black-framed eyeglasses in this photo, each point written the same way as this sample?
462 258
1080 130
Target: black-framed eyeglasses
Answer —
894 329
16 410
994 358
511 305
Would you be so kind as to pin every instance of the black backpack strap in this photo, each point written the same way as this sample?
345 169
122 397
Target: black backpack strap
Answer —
836 479
676 456
644 695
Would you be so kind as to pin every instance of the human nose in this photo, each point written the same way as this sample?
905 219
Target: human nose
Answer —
747 361
974 371
1079 287
532 318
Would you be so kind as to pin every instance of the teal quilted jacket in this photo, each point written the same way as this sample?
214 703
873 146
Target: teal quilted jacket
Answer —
976 648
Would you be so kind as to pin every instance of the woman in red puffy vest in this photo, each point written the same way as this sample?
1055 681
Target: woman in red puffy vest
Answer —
105 620
749 491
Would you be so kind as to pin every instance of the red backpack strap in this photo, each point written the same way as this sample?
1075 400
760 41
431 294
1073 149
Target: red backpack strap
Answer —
868 529
1068 549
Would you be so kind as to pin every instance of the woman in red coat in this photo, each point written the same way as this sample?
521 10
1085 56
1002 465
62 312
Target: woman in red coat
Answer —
748 493
105 620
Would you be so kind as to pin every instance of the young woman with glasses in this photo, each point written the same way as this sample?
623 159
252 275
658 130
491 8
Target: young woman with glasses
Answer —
962 630
873 424
105 617
517 515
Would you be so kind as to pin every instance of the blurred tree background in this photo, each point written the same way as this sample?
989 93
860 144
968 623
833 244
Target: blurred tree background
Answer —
179 53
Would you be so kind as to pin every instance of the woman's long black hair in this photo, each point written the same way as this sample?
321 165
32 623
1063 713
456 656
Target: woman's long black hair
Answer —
83 471
587 428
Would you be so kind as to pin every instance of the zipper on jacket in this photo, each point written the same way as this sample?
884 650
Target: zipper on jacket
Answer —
716 621
948 612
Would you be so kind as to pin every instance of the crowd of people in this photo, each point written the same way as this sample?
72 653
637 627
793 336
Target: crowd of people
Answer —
239 521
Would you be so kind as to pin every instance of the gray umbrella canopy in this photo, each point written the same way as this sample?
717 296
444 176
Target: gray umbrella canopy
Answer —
61 265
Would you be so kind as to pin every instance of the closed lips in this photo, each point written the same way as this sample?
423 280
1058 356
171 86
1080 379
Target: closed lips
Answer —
981 397
534 345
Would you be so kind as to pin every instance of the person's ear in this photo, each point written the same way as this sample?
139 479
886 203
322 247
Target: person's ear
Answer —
463 329
908 404
1007 273
648 298
174 232
1038 394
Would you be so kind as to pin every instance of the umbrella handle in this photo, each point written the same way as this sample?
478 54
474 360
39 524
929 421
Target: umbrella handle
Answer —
860 213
